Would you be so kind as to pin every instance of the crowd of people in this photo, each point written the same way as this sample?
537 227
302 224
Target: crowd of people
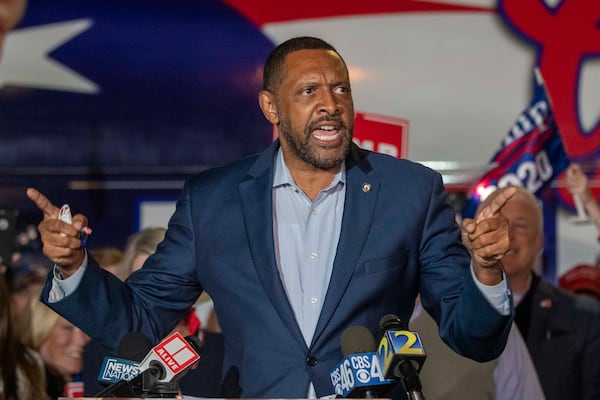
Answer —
554 345
294 246
43 356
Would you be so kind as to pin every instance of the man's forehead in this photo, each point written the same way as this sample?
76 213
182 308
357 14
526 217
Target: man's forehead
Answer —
318 63
305 58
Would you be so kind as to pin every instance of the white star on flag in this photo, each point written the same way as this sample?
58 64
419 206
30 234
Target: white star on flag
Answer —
25 60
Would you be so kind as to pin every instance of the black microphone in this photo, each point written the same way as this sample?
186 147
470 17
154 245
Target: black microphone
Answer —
401 355
359 374
125 366
160 369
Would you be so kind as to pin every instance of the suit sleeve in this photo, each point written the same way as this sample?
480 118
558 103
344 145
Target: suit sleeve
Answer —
467 321
151 301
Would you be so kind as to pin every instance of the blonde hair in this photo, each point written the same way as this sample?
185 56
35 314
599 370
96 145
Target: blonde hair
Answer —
21 370
107 255
143 242
43 319
110 256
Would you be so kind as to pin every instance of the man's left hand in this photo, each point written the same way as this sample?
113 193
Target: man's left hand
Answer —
487 239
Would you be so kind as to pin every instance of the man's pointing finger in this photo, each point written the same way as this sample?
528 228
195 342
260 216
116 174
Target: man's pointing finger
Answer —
42 202
497 203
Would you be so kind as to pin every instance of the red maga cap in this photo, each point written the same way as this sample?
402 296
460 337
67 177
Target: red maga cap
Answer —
582 277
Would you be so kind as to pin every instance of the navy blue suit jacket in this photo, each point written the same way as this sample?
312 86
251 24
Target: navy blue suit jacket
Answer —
398 237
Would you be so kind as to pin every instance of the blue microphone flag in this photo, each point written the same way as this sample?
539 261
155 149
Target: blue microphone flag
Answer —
357 371
115 369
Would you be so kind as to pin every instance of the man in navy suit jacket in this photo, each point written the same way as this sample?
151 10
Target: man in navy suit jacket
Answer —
297 244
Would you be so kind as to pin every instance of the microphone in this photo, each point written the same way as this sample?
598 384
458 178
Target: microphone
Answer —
173 356
166 363
401 354
359 373
132 349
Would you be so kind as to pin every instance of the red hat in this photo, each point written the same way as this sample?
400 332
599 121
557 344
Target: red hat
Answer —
582 277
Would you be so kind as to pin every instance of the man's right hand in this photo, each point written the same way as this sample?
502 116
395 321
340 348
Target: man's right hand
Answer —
61 243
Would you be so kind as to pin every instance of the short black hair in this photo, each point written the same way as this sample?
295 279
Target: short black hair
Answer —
273 66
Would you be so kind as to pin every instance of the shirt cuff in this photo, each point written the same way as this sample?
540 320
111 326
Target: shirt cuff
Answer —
63 287
497 295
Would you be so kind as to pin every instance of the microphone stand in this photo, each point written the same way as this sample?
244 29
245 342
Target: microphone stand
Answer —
410 380
146 385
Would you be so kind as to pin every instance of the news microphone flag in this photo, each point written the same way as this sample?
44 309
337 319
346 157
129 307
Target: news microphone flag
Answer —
531 155
160 369
133 347
174 353
356 372
396 347
118 369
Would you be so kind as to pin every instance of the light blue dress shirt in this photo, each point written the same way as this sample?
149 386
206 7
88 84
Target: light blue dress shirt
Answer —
306 235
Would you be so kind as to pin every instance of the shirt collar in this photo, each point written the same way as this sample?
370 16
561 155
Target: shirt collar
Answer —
283 176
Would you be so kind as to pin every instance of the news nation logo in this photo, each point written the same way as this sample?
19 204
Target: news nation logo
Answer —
115 370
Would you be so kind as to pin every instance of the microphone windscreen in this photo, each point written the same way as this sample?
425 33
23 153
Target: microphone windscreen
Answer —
134 346
357 339
391 322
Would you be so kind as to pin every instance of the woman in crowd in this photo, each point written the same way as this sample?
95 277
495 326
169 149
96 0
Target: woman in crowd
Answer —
60 345
21 371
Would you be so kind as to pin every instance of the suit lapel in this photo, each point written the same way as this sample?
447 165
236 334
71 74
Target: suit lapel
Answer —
544 326
362 189
257 203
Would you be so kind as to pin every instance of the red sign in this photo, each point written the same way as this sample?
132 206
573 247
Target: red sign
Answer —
382 134
74 389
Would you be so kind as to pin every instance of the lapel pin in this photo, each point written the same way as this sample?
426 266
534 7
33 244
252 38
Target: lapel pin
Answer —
546 303
366 187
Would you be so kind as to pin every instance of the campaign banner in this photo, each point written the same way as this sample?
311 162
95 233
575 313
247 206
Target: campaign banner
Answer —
531 155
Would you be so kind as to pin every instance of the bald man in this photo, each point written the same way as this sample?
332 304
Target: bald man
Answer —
562 330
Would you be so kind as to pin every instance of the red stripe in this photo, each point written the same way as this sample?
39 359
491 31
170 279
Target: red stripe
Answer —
511 158
268 11
518 146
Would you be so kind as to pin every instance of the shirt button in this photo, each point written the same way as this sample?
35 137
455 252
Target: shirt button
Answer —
311 361
313 300
313 256
313 212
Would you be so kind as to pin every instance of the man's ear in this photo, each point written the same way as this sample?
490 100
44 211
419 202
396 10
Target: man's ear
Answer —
266 101
540 244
